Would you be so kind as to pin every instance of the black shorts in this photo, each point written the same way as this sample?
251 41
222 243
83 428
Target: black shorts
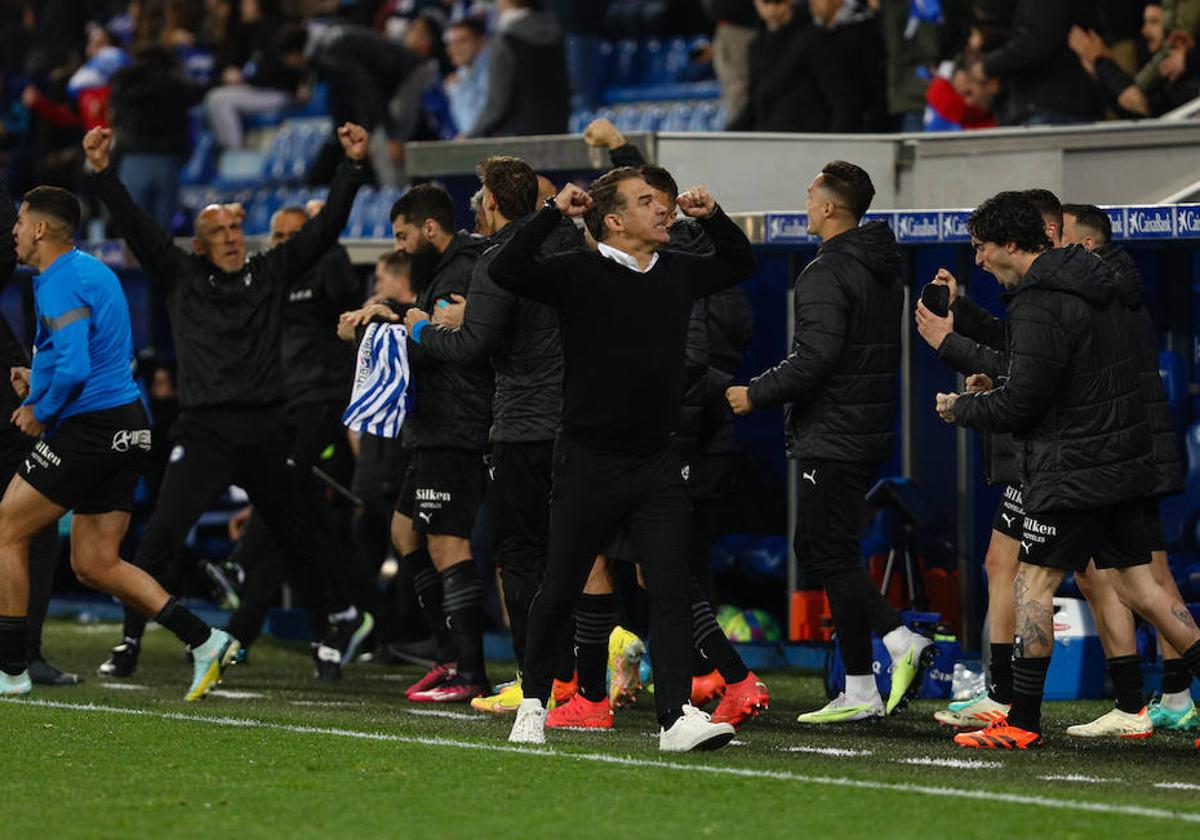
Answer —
442 491
93 461
1114 537
1010 515
1154 526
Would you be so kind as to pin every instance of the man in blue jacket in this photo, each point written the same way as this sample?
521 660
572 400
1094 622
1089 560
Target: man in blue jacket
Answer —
94 436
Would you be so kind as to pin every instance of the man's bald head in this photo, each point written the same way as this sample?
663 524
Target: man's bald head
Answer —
219 237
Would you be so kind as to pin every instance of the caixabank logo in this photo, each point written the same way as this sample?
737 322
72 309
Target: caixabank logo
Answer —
954 226
782 228
918 227
1187 220
1149 223
1116 215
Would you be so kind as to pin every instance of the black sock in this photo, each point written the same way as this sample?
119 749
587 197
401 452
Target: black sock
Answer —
667 719
183 623
1176 676
595 618
462 602
1126 674
429 596
1191 659
1029 683
1000 671
564 670
713 646
14 644
135 626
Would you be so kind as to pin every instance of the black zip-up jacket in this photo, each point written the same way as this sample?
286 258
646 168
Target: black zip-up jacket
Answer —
227 327
623 331
840 379
1072 398
977 345
452 402
730 330
150 101
14 444
317 366
1170 469
520 337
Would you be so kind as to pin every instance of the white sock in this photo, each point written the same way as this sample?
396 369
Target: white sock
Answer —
345 615
898 641
1177 701
861 688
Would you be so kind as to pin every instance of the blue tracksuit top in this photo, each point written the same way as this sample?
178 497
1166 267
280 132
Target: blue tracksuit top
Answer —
83 352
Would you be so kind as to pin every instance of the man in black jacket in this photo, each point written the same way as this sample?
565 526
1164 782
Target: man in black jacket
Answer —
519 338
1073 399
839 386
226 317
1089 226
623 385
446 432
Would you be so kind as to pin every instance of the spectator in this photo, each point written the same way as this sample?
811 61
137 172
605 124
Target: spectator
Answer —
1180 20
848 42
268 80
528 91
910 31
954 101
150 102
1045 83
466 87
735 21
782 80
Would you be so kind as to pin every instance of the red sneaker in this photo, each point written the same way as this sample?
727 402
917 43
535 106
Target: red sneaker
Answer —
454 690
999 736
436 675
744 699
708 688
561 692
581 713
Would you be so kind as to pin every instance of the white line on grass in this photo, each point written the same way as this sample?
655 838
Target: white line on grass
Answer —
1071 777
623 761
124 686
1176 786
323 703
838 751
235 695
438 713
956 763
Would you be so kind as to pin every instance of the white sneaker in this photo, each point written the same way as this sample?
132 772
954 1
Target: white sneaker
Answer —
694 731
1115 724
530 725
17 686
980 712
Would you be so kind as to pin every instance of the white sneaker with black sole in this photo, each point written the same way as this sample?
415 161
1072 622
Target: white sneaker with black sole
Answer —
530 725
694 731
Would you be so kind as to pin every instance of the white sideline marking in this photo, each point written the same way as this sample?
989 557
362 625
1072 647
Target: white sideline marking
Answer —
957 763
838 751
124 686
599 758
235 695
1177 786
440 714
323 703
1071 777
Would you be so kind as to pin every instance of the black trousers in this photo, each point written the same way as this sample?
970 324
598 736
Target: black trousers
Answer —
594 494
314 428
832 507
250 448
43 548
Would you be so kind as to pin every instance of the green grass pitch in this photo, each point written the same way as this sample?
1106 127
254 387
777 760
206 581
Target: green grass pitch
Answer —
275 754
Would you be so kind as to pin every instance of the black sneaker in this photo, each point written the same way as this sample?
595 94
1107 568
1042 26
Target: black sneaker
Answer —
346 636
327 662
42 672
123 660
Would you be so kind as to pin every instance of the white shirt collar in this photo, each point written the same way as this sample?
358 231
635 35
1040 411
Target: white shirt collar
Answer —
627 260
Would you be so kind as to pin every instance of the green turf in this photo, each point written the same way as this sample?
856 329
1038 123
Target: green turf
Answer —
69 772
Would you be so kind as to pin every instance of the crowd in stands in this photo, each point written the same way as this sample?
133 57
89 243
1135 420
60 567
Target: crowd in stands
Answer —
177 79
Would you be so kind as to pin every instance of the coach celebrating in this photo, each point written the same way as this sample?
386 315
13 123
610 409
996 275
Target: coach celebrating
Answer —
623 384
840 384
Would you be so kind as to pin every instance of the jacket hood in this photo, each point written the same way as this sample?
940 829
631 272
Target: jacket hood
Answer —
873 245
1073 270
535 28
463 242
687 236
1126 277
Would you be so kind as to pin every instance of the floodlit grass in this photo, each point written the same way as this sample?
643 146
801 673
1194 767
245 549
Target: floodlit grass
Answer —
281 755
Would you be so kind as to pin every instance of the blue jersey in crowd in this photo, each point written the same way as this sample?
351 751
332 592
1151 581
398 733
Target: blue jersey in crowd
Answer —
83 352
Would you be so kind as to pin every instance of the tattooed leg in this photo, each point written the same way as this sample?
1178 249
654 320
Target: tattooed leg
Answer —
1147 597
1033 596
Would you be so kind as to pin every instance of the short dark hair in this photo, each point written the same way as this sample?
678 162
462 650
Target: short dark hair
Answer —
291 208
396 262
1047 204
851 184
474 24
1010 216
57 203
607 198
660 179
1093 218
425 201
292 38
512 182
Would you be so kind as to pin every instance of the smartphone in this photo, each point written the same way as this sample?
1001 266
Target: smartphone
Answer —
936 297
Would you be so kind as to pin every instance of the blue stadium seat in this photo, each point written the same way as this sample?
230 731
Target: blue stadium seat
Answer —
579 120
199 167
702 117
629 119
653 117
676 60
654 63
626 64
606 62
678 117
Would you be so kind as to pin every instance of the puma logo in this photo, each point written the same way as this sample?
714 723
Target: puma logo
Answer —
1008 520
28 466
1025 547
810 476
426 517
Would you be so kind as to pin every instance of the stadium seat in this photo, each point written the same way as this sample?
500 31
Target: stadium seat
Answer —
199 167
579 120
676 60
654 63
678 117
626 64
702 117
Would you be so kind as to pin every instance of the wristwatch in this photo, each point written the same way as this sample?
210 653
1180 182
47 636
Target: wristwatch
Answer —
552 201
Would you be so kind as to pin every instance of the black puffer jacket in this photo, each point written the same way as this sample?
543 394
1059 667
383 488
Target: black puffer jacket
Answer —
688 237
1072 398
730 330
840 378
520 338
1170 470
452 403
